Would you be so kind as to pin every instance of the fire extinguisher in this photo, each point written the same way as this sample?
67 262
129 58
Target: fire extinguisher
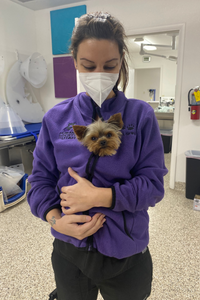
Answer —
194 103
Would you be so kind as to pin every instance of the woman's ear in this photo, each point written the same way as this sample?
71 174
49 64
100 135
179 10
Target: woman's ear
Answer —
75 62
122 58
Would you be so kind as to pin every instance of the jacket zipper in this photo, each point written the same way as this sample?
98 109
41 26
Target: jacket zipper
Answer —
90 173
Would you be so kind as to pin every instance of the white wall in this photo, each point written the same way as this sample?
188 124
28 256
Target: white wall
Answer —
44 46
135 15
146 79
130 89
17 32
168 71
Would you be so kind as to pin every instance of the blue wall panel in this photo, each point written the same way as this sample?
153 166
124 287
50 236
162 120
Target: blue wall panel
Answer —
62 24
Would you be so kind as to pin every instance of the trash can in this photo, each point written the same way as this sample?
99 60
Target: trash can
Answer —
166 135
192 173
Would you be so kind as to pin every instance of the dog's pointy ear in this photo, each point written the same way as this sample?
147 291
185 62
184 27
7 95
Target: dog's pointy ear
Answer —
79 131
116 120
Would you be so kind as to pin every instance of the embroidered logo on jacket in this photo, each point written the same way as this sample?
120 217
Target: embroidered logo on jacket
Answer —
129 129
67 132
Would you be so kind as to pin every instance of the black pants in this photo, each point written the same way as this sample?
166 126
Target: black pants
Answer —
72 284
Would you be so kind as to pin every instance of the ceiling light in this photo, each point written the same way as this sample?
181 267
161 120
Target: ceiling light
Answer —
140 41
142 52
172 58
150 48
147 46
172 46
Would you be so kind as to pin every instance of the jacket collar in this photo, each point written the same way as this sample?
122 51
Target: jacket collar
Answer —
109 107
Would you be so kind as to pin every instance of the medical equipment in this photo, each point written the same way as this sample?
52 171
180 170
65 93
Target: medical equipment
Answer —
19 93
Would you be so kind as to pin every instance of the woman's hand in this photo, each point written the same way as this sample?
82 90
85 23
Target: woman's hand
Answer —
78 197
68 224
83 195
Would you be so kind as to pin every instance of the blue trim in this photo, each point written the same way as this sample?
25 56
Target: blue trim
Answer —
22 186
32 129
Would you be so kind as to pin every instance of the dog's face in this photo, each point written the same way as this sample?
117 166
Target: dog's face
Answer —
101 138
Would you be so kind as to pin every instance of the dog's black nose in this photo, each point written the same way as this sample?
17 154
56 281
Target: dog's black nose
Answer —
103 143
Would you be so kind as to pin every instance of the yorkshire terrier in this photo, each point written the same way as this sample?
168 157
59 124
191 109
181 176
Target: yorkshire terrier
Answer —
101 137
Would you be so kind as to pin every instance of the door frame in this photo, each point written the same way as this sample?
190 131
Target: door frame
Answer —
162 29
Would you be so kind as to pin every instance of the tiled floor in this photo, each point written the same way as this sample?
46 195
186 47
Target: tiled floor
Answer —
26 245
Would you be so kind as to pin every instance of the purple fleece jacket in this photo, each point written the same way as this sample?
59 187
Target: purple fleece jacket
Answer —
135 173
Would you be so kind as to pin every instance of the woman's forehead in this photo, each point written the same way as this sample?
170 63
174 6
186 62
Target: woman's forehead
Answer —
93 50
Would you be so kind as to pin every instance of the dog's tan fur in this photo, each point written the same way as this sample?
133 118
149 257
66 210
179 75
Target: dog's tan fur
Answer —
101 137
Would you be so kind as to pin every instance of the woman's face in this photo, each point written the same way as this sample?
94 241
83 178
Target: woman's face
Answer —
98 56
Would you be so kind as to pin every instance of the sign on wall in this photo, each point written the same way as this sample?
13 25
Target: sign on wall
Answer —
62 25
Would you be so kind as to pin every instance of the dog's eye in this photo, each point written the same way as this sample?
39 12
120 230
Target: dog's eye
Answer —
93 138
109 135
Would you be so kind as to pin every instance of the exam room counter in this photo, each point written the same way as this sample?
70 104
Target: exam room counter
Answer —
165 119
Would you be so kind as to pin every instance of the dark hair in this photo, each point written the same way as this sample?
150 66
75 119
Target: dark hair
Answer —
99 26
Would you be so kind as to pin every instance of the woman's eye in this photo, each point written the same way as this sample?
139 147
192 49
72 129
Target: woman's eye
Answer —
93 138
93 68
89 68
109 68
109 135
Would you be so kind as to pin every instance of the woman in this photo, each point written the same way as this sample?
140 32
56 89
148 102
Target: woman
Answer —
107 249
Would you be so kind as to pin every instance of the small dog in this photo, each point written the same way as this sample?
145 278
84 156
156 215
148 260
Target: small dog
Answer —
101 137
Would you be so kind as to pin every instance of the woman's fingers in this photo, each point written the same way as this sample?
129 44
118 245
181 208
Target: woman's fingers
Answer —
78 219
64 210
93 226
69 225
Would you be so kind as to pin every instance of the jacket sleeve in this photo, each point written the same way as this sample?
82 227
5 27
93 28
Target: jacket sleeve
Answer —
146 187
43 196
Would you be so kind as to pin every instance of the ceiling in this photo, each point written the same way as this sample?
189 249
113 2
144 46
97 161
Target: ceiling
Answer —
42 4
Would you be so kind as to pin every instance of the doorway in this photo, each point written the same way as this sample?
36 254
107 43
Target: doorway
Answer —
177 87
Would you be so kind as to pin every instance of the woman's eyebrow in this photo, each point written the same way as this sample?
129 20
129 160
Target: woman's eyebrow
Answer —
87 60
111 60
94 62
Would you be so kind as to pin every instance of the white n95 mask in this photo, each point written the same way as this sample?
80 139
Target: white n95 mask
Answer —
98 85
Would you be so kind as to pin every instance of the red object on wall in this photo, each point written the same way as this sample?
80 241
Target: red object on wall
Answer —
195 112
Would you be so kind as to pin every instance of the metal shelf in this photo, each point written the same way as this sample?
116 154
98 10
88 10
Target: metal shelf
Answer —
14 142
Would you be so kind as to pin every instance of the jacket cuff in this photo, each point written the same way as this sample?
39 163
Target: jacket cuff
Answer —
113 197
49 209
